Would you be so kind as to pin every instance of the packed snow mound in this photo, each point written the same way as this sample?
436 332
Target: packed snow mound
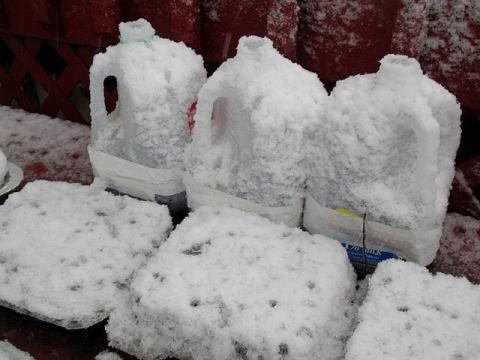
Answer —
410 314
10 352
386 147
157 81
232 285
249 125
67 249
3 167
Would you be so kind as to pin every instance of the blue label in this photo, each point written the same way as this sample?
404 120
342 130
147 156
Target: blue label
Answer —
357 254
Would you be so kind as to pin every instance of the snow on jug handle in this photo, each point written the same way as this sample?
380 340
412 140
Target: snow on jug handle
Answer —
406 72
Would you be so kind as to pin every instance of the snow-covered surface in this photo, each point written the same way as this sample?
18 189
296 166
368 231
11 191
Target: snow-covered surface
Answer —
3 167
66 249
45 148
459 252
10 352
386 146
157 81
229 284
410 314
452 42
249 126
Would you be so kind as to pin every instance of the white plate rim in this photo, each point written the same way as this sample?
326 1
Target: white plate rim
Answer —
13 178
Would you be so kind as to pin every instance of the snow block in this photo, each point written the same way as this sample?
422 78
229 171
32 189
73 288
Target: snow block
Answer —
381 161
157 80
248 140
410 314
232 285
66 250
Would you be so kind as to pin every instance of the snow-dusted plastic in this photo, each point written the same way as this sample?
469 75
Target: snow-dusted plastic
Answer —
410 314
228 284
67 250
10 175
248 140
157 80
10 352
385 147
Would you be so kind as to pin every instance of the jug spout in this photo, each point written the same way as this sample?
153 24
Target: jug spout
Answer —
136 31
399 68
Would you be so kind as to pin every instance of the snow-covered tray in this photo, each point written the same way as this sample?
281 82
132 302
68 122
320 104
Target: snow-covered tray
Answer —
410 314
232 285
66 250
13 178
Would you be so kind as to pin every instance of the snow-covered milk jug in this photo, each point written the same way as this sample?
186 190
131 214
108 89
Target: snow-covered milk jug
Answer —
138 148
381 162
247 144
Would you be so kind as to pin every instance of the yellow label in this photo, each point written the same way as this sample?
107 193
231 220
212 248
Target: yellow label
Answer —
347 212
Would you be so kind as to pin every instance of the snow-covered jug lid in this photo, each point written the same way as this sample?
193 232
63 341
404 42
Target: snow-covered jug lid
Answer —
136 31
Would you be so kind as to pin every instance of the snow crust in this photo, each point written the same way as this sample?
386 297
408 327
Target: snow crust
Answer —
386 146
67 249
10 352
249 126
3 167
410 314
232 285
157 81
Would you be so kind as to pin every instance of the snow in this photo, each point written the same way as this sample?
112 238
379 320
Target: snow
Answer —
10 352
135 31
45 148
452 39
67 249
385 146
459 252
3 167
157 81
407 315
249 126
108 355
229 284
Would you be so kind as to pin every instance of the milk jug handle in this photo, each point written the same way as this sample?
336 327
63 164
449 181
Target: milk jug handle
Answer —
97 97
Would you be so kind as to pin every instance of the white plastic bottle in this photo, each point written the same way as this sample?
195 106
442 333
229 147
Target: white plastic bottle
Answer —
138 148
247 148
384 152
